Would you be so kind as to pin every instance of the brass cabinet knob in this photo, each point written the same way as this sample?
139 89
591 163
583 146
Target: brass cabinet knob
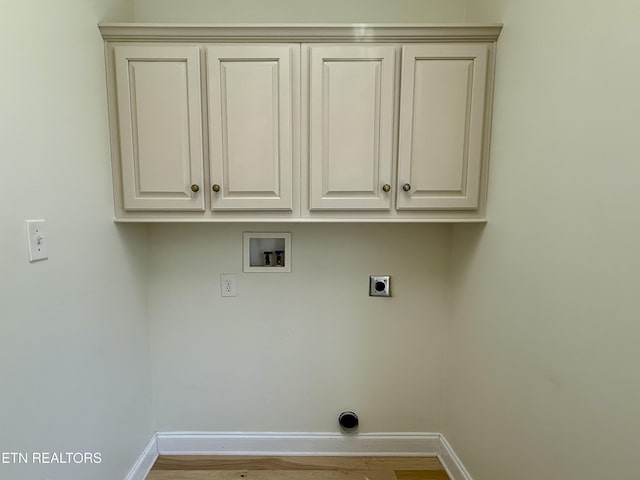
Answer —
215 188
386 187
406 187
195 188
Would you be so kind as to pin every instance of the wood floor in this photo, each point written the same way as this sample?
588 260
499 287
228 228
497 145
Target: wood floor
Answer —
186 467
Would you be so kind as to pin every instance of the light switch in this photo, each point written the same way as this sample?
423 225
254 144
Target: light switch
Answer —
36 240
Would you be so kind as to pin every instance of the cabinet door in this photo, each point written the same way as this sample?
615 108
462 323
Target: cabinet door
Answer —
250 126
160 126
441 126
351 93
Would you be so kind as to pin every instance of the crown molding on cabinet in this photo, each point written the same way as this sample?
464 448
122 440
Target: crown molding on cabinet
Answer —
356 32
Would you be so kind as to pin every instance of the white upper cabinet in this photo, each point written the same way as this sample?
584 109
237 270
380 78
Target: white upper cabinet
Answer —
250 126
313 123
442 110
350 102
160 126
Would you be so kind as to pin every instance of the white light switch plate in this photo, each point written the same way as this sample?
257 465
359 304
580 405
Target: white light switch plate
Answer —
36 240
228 285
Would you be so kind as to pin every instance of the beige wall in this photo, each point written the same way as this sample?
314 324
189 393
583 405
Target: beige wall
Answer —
74 357
293 350
308 11
543 378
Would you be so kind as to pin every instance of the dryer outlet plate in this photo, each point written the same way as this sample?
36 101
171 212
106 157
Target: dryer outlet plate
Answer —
379 286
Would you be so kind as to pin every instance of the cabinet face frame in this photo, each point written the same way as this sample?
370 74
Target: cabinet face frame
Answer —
177 120
252 176
334 180
443 94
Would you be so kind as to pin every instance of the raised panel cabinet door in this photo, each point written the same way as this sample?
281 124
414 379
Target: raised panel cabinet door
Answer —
351 95
442 108
160 127
250 126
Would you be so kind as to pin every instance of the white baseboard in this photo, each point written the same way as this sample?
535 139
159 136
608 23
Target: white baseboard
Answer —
233 443
450 461
146 460
275 443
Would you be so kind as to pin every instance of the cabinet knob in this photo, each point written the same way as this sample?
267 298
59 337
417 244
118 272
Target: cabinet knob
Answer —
386 187
195 188
215 187
406 187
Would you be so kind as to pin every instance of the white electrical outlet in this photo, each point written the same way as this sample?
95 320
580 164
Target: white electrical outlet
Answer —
36 240
228 285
